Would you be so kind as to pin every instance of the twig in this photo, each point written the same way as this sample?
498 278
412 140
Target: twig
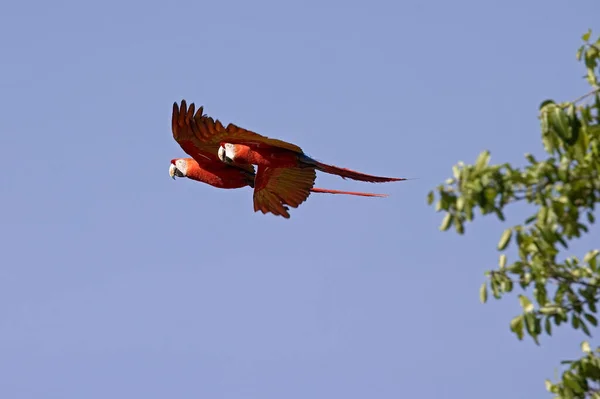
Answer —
596 90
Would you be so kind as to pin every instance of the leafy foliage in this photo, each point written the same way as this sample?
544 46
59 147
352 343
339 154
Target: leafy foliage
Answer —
564 190
582 378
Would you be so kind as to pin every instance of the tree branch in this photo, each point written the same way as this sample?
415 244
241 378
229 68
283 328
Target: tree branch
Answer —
596 90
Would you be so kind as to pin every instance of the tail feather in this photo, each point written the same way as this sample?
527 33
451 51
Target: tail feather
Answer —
347 173
327 191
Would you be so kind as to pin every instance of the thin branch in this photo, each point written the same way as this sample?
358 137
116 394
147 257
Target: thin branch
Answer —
596 90
571 280
551 275
571 307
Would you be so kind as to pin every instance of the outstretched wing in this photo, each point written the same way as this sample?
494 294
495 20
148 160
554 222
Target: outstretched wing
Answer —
211 133
185 132
182 121
276 187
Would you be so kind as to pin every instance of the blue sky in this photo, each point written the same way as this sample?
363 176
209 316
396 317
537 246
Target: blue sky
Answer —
117 282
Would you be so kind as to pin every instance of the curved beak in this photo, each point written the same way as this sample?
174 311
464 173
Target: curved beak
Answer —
172 169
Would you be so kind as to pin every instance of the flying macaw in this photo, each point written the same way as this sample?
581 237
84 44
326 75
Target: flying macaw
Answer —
278 187
237 178
238 146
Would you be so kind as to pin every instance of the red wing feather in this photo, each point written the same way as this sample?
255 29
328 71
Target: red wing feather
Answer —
212 133
185 131
200 135
276 187
238 135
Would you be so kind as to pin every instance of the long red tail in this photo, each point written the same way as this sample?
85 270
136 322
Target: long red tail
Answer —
347 173
327 191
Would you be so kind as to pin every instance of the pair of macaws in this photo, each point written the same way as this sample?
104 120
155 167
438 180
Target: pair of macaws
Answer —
224 157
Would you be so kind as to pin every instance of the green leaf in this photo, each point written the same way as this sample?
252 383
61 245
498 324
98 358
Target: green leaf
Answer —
495 288
531 322
460 228
526 304
548 326
593 264
559 122
562 241
579 53
586 35
531 158
575 321
567 393
469 213
546 102
502 262
549 310
483 293
591 319
575 126
499 214
585 347
516 326
456 171
591 77
505 239
430 198
590 255
590 217
592 306
446 222
571 381
508 286
482 161
541 294
585 328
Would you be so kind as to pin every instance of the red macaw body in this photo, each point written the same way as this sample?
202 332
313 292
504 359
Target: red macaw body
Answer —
274 188
227 178
237 178
275 157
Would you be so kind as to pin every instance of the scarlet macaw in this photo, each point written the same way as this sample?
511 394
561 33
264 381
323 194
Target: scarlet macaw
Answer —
238 146
279 186
237 178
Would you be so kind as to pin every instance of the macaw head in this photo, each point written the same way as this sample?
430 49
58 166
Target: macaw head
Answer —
226 153
178 168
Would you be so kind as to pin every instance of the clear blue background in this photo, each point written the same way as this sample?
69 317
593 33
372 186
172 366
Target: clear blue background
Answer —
116 282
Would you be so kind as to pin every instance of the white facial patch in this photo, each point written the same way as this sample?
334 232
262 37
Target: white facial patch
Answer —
230 151
182 166
221 153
